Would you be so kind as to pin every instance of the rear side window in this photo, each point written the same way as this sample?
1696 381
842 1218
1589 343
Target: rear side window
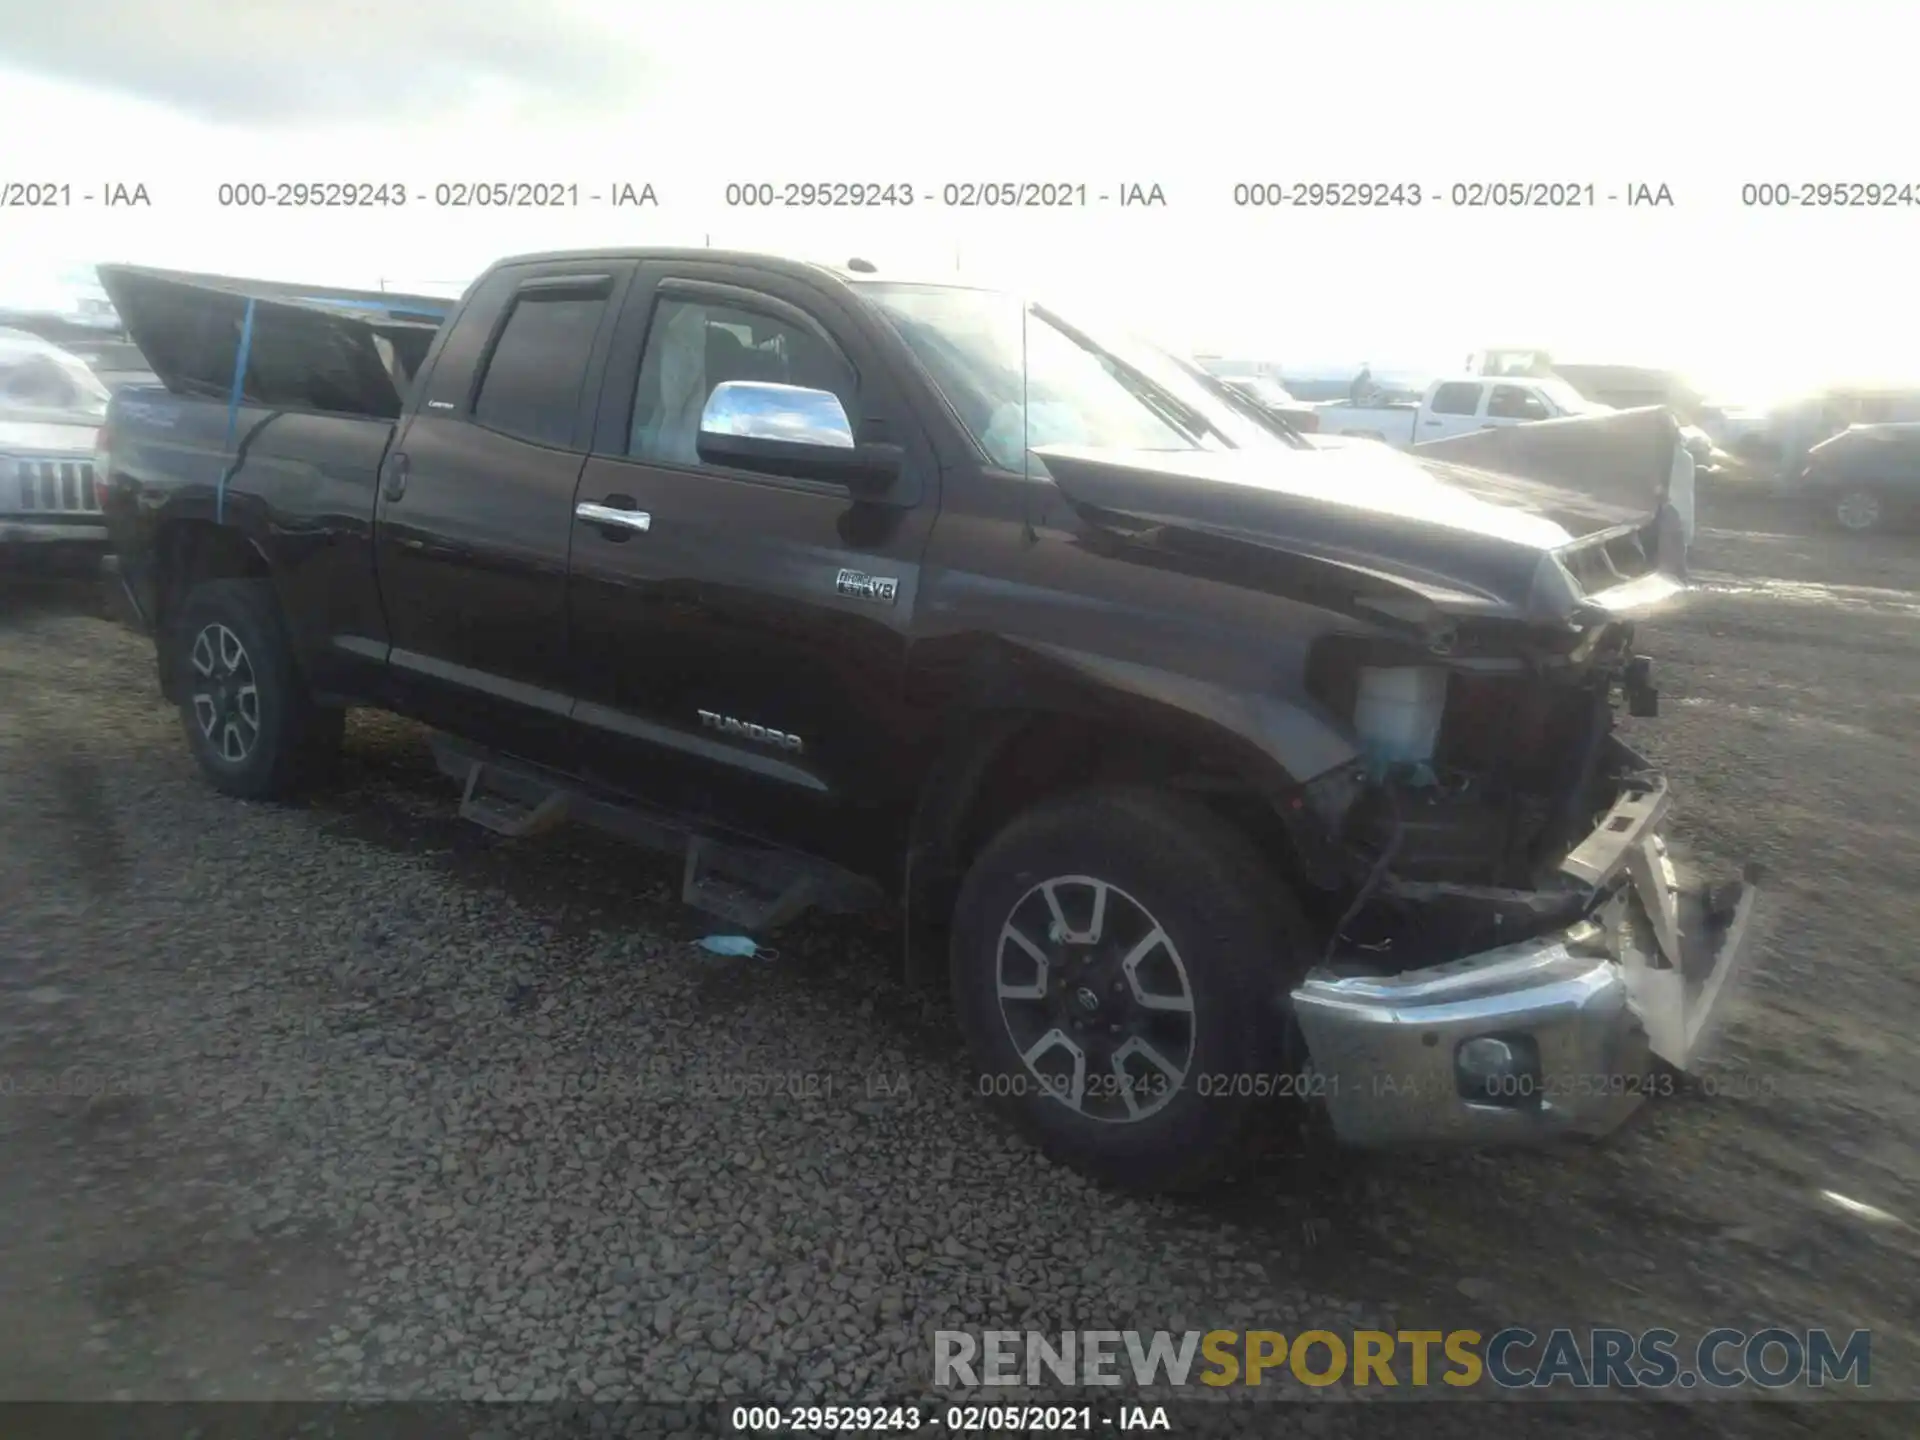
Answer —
1456 398
532 385
1510 402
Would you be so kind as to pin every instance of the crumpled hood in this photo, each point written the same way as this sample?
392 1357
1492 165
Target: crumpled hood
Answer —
1588 471
1468 537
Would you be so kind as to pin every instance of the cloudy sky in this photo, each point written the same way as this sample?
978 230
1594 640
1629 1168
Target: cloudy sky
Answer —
1193 97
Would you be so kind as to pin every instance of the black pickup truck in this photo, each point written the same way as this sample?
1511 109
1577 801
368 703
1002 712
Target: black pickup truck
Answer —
1228 766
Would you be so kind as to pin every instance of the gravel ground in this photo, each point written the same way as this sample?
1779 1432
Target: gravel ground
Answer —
352 1100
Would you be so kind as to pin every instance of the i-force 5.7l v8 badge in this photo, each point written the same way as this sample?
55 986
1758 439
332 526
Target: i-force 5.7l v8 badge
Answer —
856 585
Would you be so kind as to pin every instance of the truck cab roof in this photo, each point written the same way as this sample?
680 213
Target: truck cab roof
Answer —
776 262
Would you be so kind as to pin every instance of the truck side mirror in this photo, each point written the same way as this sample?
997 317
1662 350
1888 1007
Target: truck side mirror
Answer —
795 432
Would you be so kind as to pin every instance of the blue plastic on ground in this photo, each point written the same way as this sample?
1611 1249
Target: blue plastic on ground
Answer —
1416 773
739 946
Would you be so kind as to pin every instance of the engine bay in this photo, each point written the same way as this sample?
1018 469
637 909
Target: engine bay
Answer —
1475 781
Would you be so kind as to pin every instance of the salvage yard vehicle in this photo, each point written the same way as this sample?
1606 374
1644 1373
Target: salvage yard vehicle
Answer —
1617 387
1866 478
51 406
116 364
1228 769
1453 407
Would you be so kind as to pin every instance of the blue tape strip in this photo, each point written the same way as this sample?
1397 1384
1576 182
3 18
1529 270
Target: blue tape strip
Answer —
233 412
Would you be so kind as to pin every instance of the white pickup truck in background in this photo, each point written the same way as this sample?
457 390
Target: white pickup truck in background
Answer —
1453 407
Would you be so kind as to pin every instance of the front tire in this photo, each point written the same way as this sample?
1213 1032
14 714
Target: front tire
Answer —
249 719
1120 960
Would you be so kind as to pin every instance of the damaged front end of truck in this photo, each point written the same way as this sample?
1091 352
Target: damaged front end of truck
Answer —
1519 952
1513 951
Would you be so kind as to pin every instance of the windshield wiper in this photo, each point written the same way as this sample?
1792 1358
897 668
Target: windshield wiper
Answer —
1182 417
1245 404
1249 407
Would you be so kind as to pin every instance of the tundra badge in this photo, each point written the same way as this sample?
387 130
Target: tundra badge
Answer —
727 725
858 586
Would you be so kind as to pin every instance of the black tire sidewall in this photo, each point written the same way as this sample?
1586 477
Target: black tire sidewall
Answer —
1240 945
246 607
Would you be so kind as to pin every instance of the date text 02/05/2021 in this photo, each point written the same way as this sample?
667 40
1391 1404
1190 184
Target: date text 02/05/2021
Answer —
954 1419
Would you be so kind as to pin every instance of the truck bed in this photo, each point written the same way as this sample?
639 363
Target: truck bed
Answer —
265 389
1393 422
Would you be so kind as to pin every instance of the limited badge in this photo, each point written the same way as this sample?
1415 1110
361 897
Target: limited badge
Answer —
855 585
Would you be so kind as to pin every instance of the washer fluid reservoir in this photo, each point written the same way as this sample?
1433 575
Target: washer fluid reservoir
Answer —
1397 714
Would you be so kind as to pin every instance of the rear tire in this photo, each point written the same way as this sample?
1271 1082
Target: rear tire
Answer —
249 719
1170 1099
1859 510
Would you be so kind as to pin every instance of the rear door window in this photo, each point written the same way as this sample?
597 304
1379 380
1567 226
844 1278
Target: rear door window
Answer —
531 388
1456 398
1514 402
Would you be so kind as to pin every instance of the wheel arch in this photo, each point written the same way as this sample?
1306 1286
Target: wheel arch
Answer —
1246 757
189 549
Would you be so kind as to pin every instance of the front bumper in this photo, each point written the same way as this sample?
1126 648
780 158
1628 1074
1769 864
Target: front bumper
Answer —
51 545
1581 1014
45 532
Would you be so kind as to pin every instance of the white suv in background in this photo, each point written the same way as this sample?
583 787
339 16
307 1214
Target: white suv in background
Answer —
51 406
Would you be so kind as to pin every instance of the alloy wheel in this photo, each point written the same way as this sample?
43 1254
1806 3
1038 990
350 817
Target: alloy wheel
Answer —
1096 999
1858 510
226 699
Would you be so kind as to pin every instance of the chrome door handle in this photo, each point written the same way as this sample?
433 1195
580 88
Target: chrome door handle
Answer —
607 515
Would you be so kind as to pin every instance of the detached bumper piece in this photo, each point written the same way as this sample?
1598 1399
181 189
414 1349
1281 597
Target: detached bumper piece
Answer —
122 601
1556 1035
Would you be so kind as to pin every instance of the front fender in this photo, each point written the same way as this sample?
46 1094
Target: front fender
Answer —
1277 743
1290 733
